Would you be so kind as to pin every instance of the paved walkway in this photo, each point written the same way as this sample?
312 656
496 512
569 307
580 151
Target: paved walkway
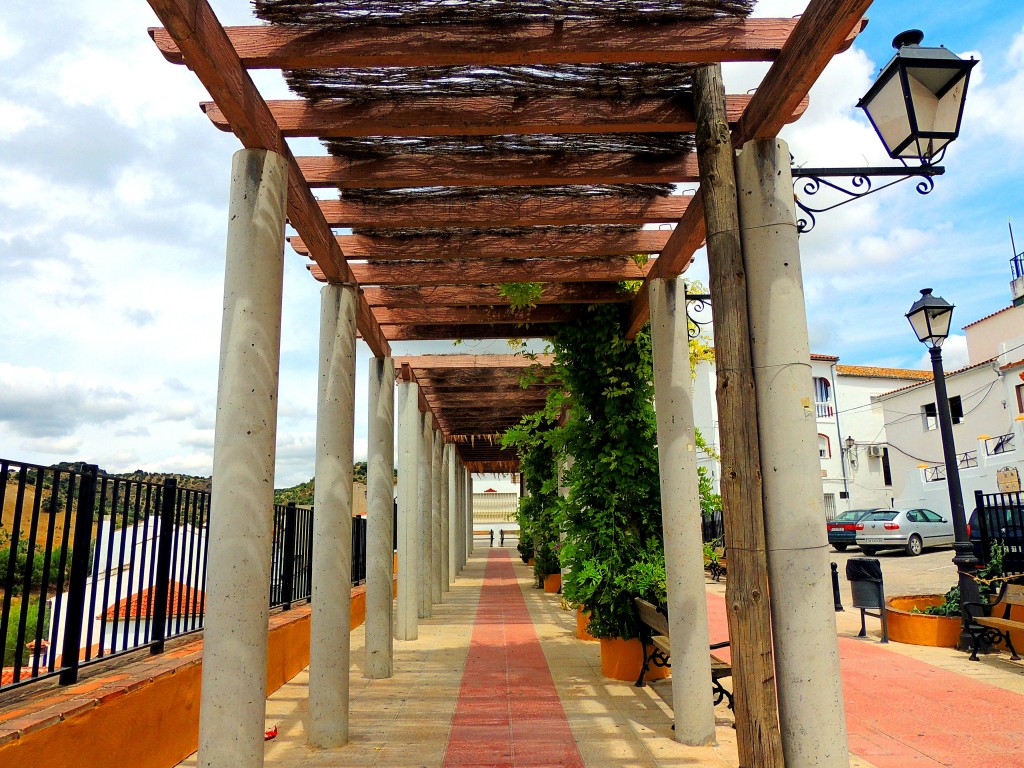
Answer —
498 678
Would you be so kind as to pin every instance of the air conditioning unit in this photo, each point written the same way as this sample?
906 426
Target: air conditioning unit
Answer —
876 451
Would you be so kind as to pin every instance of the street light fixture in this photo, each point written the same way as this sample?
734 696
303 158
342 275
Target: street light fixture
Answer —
930 317
916 106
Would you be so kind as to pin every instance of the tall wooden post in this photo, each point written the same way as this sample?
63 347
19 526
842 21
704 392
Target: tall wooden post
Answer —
757 715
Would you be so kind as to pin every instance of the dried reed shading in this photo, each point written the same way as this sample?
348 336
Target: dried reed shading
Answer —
391 12
460 194
383 234
618 81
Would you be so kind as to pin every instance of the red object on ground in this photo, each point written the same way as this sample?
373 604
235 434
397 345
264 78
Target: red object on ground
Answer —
271 734
901 712
508 713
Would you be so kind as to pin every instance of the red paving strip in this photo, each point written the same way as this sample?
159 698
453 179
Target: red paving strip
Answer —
508 713
901 712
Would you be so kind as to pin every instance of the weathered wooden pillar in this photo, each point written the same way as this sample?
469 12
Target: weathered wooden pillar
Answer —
436 526
757 719
811 711
410 440
380 488
694 713
332 520
425 529
233 699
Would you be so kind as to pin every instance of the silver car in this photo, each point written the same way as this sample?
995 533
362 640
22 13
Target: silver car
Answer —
908 529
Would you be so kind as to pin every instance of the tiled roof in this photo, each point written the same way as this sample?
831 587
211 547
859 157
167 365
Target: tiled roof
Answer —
986 317
875 372
826 358
141 604
1008 366
948 375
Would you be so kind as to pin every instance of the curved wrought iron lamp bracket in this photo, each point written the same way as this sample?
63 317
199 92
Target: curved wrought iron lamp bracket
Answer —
697 302
856 183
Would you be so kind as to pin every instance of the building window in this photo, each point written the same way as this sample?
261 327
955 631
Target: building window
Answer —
1020 398
956 409
830 506
824 448
930 416
823 398
886 471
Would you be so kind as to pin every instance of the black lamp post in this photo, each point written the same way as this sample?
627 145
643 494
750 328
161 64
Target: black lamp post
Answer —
930 317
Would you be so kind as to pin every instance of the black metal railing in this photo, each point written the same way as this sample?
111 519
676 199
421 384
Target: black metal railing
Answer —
93 566
999 444
712 527
1000 517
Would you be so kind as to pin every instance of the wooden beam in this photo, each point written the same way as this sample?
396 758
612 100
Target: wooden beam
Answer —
482 116
826 28
469 331
507 211
483 271
473 315
749 615
283 47
488 295
203 43
471 362
494 171
485 246
486 399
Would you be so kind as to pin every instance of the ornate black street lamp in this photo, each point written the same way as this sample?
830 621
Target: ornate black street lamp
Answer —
930 317
916 106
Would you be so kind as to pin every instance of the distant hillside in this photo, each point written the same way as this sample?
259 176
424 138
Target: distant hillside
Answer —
301 494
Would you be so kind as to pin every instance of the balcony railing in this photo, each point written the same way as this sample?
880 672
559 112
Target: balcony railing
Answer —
937 473
999 444
824 409
97 566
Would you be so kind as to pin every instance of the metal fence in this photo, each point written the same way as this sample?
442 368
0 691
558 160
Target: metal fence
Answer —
94 566
1000 517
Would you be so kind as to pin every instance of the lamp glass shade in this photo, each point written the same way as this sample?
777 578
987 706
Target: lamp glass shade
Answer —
931 317
917 103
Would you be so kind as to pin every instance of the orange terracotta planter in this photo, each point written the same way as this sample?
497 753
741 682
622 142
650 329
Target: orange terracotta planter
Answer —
583 624
920 628
552 583
623 659
531 562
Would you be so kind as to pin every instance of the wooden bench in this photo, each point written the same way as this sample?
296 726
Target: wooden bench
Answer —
486 533
654 635
993 628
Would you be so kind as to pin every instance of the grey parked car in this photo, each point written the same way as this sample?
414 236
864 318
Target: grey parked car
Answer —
908 529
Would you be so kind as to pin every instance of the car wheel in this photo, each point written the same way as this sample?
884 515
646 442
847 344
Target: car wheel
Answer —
839 547
914 545
869 551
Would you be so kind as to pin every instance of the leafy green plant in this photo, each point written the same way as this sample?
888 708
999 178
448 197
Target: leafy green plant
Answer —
521 295
988 580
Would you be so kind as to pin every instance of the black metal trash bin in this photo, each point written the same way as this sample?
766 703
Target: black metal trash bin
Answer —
866 584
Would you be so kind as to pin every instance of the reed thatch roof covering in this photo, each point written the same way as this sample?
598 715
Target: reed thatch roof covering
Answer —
315 13
401 195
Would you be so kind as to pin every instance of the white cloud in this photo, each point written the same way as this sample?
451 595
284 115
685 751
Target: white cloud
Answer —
954 354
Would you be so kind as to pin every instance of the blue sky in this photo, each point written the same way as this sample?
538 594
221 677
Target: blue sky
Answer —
113 191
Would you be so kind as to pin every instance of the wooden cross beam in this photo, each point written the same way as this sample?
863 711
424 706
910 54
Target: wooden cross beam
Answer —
484 271
485 246
507 211
282 47
488 295
494 171
483 116
468 331
476 315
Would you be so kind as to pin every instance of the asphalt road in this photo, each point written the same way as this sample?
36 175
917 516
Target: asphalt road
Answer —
932 572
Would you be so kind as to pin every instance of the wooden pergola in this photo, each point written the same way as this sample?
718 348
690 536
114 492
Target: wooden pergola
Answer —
429 254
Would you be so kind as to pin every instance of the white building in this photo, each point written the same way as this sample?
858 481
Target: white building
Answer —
855 467
986 401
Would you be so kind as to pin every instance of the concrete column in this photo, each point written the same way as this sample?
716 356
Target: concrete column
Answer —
233 699
811 712
446 520
454 542
436 527
410 440
332 520
380 465
425 529
694 714
470 522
